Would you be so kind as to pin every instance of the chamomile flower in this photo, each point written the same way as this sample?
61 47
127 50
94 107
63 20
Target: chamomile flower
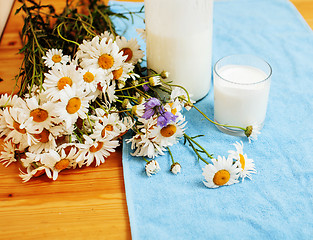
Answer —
68 153
175 168
152 167
57 79
122 73
138 110
107 35
96 150
91 78
40 116
155 81
55 57
106 126
45 141
130 49
32 172
101 54
245 164
252 132
7 100
169 134
7 155
15 119
222 172
142 33
73 104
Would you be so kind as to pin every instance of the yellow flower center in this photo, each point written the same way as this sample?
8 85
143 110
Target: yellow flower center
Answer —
108 127
168 131
117 73
127 52
221 177
43 137
63 81
242 161
105 61
16 126
56 58
88 77
62 164
96 149
73 105
39 115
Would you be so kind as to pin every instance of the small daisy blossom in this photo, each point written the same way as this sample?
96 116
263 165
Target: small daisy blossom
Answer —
31 172
73 104
175 168
57 79
155 81
152 167
101 54
7 156
40 116
252 132
96 151
245 164
222 172
138 110
130 49
55 57
91 79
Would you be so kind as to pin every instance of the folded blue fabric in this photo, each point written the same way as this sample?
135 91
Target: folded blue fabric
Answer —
278 202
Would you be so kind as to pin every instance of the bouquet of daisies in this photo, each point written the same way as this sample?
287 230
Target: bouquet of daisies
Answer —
76 114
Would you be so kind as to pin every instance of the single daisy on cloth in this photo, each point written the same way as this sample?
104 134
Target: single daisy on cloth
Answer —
221 173
245 164
55 58
152 167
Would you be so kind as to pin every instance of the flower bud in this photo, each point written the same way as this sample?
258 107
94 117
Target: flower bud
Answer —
165 74
175 168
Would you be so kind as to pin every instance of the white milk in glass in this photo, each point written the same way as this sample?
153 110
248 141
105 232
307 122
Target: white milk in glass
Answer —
240 95
179 40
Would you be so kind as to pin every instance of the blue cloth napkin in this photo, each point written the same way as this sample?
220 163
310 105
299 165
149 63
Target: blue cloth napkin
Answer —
278 202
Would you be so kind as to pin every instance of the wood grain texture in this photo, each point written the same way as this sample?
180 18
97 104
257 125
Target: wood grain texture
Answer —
87 203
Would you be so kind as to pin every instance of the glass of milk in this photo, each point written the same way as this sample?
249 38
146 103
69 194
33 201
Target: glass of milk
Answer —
179 40
241 89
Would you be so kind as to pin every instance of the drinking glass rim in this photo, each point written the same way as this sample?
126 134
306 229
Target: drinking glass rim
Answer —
244 55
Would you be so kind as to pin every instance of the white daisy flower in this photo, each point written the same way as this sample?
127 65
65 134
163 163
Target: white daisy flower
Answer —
101 54
152 167
175 168
55 57
221 172
7 100
15 119
175 107
31 172
73 104
91 79
178 93
56 80
45 141
96 151
138 110
106 126
7 156
245 164
123 73
107 35
130 49
252 132
154 81
142 33
68 153
40 116
109 93
170 134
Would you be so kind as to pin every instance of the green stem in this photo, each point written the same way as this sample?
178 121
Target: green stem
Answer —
175 85
222 125
145 159
60 35
170 152
141 84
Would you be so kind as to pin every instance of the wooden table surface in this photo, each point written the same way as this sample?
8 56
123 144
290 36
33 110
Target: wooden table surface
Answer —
88 203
